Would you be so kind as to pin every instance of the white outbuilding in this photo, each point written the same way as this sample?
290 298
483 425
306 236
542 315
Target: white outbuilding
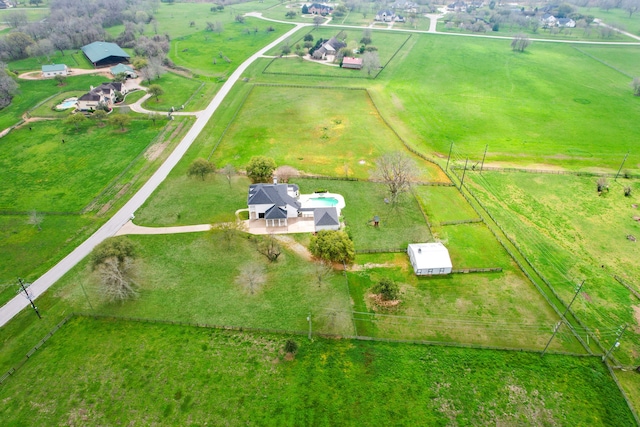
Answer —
429 258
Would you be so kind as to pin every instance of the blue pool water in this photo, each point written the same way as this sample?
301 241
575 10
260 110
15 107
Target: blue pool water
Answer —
68 103
318 202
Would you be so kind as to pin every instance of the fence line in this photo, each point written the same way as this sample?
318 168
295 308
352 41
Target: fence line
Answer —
380 251
602 62
424 214
626 398
233 119
626 285
477 270
546 171
462 221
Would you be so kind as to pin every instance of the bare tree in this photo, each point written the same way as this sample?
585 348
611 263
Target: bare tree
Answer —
284 173
397 171
116 278
270 248
16 19
8 87
317 20
520 42
229 171
35 219
252 276
321 271
370 62
229 230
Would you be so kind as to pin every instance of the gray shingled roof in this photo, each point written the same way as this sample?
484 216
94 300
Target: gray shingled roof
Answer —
98 51
265 194
275 212
325 216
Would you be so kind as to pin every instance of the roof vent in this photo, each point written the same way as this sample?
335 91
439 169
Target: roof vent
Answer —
275 180
419 250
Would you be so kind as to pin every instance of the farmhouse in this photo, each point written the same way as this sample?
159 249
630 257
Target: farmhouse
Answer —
320 9
123 69
385 16
566 22
329 48
429 258
281 204
353 63
105 94
54 70
103 54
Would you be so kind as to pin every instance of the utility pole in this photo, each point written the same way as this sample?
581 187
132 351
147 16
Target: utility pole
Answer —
86 296
616 344
484 156
309 320
622 164
23 288
463 173
557 327
449 157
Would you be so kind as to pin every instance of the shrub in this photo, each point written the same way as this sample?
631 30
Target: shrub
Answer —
387 288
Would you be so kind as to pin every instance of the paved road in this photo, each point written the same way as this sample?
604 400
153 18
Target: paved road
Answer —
111 227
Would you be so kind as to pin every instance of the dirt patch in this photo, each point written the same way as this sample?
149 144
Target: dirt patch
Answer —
294 246
105 208
361 267
379 302
155 151
586 296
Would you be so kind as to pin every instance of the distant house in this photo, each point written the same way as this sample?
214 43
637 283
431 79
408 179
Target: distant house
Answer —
353 63
103 54
123 69
548 20
385 15
406 6
54 70
328 48
105 94
458 6
566 22
429 259
320 9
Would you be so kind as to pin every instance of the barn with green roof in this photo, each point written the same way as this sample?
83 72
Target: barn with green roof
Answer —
103 54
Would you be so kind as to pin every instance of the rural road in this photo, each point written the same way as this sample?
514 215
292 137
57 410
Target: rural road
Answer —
111 227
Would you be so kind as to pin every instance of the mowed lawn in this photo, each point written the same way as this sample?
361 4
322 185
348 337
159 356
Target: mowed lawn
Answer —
184 200
400 224
530 108
32 92
194 277
318 131
177 92
570 233
45 174
96 371
236 42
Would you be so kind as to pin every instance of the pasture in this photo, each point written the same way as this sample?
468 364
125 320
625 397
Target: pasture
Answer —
58 168
216 55
318 131
618 18
571 233
173 375
532 109
71 58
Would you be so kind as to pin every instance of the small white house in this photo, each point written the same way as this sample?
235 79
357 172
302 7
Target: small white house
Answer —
429 258
54 70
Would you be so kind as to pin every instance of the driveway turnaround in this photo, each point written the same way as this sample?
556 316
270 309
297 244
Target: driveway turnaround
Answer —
111 227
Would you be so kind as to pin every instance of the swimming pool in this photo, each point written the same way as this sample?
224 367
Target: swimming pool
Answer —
67 103
322 202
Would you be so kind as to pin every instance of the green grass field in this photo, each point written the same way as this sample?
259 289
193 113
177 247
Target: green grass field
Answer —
186 201
532 109
237 42
443 204
618 18
32 92
172 375
71 58
571 233
48 175
620 58
319 131
177 91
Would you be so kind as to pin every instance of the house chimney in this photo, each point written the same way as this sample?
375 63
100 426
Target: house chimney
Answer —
275 180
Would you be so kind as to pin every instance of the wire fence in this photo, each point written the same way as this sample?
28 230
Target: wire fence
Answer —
462 221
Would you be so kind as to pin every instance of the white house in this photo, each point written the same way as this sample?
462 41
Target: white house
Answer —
385 15
54 70
429 258
104 94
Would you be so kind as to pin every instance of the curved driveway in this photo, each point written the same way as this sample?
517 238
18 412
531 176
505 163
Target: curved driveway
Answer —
121 217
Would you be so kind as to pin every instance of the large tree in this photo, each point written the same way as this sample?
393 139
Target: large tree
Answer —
370 62
155 90
8 87
260 169
252 276
201 168
121 120
331 245
520 42
113 259
397 171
